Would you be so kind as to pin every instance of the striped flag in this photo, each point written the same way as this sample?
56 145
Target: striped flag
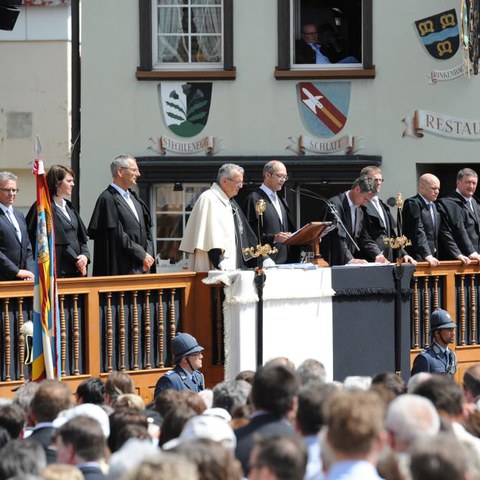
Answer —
46 324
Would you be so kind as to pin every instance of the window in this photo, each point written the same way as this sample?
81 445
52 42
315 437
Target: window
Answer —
173 202
324 39
186 39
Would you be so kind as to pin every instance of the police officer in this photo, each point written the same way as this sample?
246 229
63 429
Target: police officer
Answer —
187 357
438 358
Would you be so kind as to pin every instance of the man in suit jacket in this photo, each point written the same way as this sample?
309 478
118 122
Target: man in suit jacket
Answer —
187 357
379 224
121 225
421 220
274 391
275 225
307 49
460 225
337 246
16 260
81 442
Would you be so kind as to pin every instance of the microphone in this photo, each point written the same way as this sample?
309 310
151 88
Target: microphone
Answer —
337 219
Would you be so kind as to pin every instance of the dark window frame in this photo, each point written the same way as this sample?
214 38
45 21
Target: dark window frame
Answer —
145 70
283 70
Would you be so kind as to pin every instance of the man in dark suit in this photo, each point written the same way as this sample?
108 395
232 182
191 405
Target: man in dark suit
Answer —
16 260
275 225
307 49
49 400
421 220
460 225
274 390
81 442
121 225
379 224
337 246
187 357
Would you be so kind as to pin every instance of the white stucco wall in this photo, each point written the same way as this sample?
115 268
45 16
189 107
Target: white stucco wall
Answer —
255 114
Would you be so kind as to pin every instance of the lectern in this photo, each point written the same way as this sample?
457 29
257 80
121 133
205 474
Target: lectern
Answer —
311 234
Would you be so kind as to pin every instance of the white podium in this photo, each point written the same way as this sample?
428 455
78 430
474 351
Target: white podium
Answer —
297 317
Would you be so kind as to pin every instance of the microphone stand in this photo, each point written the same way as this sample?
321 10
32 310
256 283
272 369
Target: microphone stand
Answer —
333 210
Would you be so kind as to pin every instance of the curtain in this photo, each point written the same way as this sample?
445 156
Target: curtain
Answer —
208 20
171 47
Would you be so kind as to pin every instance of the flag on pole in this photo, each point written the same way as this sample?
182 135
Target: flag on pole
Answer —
46 324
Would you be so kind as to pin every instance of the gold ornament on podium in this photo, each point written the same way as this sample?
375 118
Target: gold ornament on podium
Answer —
260 250
400 242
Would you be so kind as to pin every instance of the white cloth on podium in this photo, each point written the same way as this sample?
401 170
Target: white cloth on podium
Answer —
297 317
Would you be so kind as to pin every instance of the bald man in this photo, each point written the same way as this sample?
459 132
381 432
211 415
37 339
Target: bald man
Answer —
276 225
421 220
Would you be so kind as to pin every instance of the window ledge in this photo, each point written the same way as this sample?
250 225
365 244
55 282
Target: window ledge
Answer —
322 74
186 74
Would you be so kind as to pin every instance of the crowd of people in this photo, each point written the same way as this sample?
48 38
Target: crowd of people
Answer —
279 422
220 230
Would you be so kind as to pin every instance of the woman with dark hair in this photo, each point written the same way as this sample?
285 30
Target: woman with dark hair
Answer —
71 251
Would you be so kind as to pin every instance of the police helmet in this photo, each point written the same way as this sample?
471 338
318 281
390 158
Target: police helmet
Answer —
440 319
183 345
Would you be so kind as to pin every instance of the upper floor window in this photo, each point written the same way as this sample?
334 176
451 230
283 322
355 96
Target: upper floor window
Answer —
325 39
186 39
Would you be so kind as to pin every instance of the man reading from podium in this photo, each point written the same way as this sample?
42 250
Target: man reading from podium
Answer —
339 247
217 231
275 225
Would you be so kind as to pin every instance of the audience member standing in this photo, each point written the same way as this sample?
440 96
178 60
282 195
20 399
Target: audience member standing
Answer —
121 225
16 259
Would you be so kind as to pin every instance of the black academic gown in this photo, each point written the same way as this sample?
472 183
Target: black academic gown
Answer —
70 238
120 240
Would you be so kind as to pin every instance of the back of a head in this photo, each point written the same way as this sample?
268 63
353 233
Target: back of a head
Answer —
86 437
118 420
164 467
12 418
410 417
355 418
116 384
91 390
311 399
20 457
24 395
50 399
285 457
174 422
130 400
391 381
444 393
471 381
441 458
230 394
274 388
213 460
311 370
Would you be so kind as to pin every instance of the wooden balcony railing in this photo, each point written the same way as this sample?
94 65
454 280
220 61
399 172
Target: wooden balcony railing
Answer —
126 323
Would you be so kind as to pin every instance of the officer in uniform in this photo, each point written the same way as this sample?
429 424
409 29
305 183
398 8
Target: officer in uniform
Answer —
438 358
187 357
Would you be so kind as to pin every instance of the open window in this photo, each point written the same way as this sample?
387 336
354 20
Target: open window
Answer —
325 39
186 39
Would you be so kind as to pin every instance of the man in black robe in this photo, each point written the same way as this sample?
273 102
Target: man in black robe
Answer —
121 225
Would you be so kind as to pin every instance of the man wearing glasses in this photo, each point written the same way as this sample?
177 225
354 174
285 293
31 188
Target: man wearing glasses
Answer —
276 224
217 231
16 260
121 225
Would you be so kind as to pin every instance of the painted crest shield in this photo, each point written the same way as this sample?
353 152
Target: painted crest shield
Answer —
185 106
324 106
439 34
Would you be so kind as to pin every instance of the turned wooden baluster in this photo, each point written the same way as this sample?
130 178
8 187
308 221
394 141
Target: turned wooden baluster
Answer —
76 336
172 329
473 311
416 314
63 335
21 341
147 328
161 330
135 330
219 326
463 310
109 333
122 332
426 311
6 339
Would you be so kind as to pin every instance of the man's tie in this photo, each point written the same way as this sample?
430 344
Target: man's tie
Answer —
13 221
354 220
431 209
129 200
276 204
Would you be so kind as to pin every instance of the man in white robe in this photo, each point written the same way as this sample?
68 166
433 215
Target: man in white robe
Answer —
213 237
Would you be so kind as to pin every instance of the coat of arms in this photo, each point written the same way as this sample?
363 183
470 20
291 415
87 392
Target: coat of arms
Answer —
185 106
440 34
324 106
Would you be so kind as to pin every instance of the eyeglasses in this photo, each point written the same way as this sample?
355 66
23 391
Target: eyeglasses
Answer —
134 170
239 184
10 190
280 176
378 180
